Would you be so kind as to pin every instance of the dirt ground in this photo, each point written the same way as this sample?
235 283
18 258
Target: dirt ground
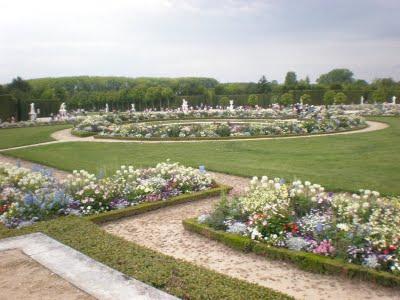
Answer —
23 278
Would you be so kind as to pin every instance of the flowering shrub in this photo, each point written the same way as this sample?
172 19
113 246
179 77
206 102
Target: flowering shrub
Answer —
27 195
362 228
380 109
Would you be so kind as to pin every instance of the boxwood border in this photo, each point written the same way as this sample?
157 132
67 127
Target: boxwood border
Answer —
149 206
303 260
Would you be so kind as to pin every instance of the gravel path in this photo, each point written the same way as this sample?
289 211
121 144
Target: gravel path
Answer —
162 231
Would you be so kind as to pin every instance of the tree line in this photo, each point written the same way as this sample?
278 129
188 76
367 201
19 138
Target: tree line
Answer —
335 86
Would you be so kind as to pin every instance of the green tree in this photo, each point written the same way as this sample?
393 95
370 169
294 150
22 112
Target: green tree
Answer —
380 95
252 100
306 99
153 94
167 94
286 99
18 84
336 76
224 101
329 97
340 98
263 86
290 80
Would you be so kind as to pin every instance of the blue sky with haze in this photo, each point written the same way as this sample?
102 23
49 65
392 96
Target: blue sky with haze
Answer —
228 40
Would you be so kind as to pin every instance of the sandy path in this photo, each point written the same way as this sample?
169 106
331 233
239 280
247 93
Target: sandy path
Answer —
162 231
65 135
23 278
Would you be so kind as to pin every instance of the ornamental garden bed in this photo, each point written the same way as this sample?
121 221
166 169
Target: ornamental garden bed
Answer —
221 129
189 138
28 196
182 279
356 235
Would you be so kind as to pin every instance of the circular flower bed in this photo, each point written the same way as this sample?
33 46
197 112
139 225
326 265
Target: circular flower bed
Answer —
361 228
321 123
27 196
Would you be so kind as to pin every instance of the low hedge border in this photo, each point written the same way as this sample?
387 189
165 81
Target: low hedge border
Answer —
149 206
227 138
177 277
305 261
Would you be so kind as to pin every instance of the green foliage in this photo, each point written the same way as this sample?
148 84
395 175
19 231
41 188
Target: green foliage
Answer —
224 101
380 95
329 97
263 86
336 76
286 99
290 79
252 100
217 217
306 99
306 261
340 98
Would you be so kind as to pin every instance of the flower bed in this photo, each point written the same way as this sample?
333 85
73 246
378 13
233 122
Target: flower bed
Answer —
221 129
23 124
27 196
361 228
381 109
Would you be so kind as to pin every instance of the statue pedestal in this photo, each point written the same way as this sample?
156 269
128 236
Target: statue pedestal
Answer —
32 116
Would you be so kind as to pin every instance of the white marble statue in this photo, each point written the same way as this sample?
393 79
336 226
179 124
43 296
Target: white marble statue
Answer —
133 107
231 105
394 100
362 100
184 105
62 111
107 109
32 112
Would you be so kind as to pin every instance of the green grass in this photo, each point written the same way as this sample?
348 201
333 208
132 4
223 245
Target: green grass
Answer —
344 162
15 137
177 277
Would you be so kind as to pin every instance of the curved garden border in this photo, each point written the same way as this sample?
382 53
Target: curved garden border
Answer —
67 136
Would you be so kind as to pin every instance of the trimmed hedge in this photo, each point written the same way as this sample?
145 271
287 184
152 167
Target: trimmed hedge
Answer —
305 261
224 138
148 206
82 133
177 277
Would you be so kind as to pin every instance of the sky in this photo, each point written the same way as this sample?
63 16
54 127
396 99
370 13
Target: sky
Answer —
230 40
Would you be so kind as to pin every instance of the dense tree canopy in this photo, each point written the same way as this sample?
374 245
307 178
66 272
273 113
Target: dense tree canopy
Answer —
336 77
93 92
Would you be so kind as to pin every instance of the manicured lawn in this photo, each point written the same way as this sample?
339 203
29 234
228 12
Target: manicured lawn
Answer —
346 162
15 137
